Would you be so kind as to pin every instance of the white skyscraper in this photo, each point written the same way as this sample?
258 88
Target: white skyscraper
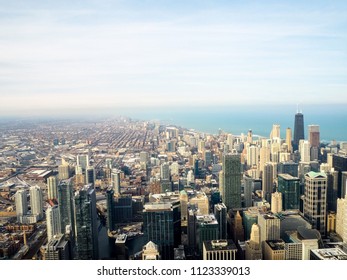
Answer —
115 181
304 148
36 201
21 204
53 221
276 202
252 156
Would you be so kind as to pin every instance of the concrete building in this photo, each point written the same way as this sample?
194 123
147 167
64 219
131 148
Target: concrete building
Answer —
274 250
276 202
219 250
315 200
269 225
253 246
53 221
52 187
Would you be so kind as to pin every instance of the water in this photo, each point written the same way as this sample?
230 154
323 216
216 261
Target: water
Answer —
332 119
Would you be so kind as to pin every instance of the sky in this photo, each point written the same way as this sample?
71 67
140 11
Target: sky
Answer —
65 56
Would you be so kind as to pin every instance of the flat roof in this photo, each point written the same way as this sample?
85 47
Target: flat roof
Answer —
218 245
330 254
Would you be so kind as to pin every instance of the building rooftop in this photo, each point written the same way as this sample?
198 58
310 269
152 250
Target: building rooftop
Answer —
312 174
329 254
217 245
287 176
276 244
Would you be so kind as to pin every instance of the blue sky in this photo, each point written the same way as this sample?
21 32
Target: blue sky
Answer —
60 56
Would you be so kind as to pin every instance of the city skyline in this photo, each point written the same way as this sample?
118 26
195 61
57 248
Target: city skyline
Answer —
63 57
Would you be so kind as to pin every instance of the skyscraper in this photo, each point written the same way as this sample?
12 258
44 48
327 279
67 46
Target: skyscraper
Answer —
115 181
289 139
269 227
220 212
289 186
65 201
276 202
298 130
86 228
268 181
36 201
165 171
53 221
21 201
314 139
52 187
162 225
315 200
231 194
83 161
90 175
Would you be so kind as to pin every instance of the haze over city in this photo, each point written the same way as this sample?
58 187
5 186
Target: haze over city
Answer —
63 56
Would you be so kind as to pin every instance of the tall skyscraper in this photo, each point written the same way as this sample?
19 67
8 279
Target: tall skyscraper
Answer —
65 201
315 200
115 181
289 186
231 195
165 171
36 201
314 139
276 202
276 131
268 181
52 187
289 139
162 225
90 175
86 228
248 190
53 221
83 161
299 133
220 212
304 148
63 172
21 200
341 218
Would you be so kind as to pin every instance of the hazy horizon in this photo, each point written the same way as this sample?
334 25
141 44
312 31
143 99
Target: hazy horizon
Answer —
63 56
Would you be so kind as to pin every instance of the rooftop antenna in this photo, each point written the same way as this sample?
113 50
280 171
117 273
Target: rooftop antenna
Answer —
297 108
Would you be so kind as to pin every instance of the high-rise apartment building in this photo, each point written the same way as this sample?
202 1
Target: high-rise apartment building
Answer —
53 221
36 201
52 189
21 200
289 139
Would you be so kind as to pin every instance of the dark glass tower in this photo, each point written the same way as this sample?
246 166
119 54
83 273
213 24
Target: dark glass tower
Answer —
298 130
65 201
86 223
231 193
162 225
